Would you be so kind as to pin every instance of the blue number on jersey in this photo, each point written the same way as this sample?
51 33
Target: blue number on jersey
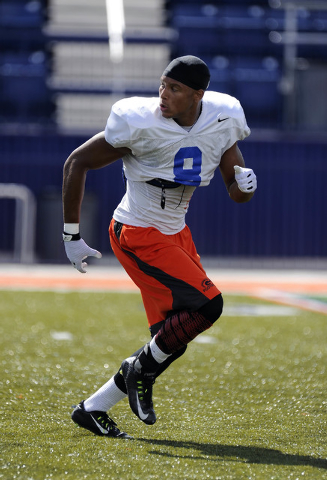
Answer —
187 166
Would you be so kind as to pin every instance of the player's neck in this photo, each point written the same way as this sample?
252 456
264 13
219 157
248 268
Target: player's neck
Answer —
191 119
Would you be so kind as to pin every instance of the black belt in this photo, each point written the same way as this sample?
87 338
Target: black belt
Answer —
159 182
163 184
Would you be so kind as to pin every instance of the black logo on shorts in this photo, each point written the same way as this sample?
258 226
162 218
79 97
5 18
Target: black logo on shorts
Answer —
206 284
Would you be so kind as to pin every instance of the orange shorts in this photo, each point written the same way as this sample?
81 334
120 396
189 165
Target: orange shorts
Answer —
166 268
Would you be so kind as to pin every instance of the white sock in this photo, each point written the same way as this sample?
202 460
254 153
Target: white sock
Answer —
105 398
158 354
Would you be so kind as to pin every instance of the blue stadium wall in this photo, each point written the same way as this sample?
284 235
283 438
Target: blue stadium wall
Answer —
286 218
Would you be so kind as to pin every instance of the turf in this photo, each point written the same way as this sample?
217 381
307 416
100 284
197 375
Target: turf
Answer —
247 403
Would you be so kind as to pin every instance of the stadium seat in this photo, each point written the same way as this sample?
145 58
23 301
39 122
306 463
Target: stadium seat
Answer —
14 13
25 95
21 25
256 83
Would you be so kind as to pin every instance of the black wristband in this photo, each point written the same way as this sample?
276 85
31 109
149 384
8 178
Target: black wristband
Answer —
68 237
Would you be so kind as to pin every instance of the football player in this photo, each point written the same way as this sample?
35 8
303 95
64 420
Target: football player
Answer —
170 145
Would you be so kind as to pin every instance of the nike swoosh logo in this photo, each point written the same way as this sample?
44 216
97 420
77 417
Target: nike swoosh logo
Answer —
103 430
140 412
222 119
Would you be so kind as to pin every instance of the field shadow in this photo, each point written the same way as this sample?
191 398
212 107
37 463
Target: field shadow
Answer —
250 454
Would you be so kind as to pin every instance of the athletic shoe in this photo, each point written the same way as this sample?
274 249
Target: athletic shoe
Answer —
139 389
97 422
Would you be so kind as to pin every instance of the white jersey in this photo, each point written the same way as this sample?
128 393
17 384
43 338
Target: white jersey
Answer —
160 148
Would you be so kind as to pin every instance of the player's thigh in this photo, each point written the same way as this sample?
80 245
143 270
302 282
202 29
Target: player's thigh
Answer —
172 260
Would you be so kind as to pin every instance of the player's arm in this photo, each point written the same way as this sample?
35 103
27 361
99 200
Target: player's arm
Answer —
240 182
94 154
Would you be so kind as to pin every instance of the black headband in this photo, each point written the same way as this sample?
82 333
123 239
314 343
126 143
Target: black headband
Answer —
190 71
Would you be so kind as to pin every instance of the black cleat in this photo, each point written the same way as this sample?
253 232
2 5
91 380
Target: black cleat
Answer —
97 422
139 389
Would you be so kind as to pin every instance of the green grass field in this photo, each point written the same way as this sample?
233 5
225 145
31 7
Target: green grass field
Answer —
247 403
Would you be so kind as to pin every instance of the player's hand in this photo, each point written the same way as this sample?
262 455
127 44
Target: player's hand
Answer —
77 251
246 179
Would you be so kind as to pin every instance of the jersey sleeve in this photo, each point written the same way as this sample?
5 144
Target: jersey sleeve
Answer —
238 125
117 131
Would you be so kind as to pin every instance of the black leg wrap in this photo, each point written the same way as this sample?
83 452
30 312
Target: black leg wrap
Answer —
179 330
182 327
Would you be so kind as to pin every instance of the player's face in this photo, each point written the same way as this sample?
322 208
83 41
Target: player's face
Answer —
178 101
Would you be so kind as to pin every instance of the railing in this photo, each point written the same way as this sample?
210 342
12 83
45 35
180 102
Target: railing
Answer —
25 220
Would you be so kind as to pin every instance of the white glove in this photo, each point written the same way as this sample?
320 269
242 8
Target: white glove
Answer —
77 251
246 179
